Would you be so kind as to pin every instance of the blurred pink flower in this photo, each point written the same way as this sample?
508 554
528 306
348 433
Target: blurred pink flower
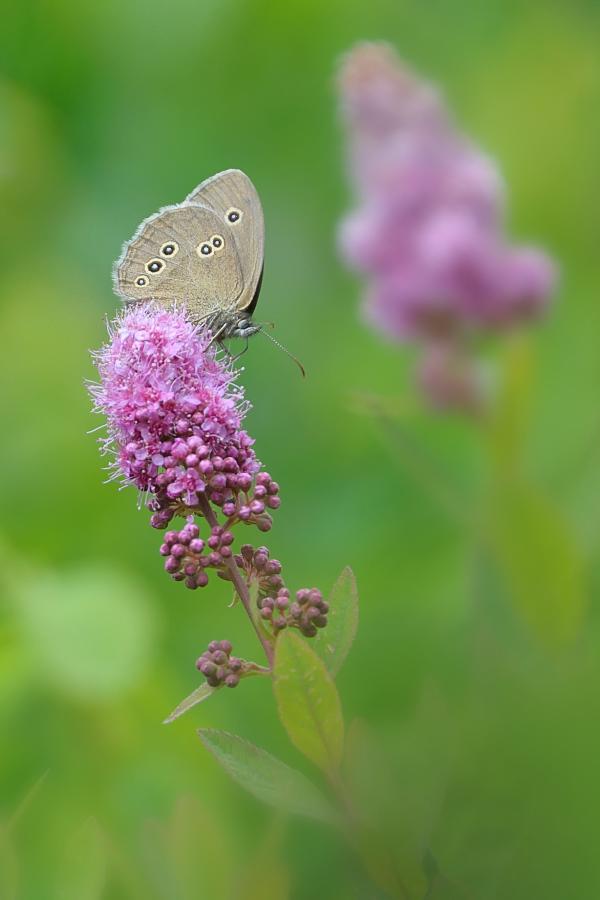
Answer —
428 231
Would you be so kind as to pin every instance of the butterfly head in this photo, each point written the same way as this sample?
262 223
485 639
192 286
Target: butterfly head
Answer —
232 324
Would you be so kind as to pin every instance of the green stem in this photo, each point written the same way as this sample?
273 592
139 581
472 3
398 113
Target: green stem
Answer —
238 581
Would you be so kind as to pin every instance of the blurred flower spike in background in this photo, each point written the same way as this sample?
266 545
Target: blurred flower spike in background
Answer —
429 228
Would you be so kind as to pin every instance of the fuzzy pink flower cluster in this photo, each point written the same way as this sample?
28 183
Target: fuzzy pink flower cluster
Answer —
174 411
429 229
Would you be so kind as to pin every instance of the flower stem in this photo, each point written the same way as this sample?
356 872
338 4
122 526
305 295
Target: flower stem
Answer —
238 581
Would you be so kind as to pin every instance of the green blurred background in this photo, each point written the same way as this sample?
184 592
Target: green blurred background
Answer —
109 110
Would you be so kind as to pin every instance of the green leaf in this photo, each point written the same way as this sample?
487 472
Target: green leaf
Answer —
333 642
541 562
9 869
266 777
84 867
309 705
201 693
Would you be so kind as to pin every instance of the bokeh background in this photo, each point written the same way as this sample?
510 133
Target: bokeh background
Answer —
109 110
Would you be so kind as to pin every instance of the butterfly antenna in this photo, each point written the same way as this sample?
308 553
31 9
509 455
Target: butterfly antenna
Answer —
281 347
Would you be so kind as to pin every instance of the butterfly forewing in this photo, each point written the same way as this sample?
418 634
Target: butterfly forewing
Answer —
184 253
226 194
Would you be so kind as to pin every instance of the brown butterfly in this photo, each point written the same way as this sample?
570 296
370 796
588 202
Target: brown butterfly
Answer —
206 253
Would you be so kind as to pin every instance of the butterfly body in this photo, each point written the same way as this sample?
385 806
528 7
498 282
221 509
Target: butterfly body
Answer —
205 254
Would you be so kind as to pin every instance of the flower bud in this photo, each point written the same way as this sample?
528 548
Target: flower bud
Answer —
207 668
259 560
264 522
171 564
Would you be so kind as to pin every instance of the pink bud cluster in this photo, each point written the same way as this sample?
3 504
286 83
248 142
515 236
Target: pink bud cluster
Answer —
307 612
218 666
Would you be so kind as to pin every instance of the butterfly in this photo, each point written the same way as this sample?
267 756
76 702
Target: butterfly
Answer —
206 253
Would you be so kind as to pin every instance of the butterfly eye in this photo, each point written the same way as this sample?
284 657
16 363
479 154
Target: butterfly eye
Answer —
217 241
204 249
169 249
142 281
154 265
234 215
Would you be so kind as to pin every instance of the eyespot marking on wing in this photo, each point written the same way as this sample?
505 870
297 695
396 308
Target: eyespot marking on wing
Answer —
217 242
154 266
204 249
169 249
234 215
142 281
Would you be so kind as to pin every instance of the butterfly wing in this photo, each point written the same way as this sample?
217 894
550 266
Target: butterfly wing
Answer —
185 253
229 194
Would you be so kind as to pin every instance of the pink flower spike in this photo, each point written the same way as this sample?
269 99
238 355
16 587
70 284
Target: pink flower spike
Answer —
165 392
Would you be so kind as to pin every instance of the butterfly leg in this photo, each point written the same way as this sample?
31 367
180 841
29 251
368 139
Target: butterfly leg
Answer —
235 358
228 351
